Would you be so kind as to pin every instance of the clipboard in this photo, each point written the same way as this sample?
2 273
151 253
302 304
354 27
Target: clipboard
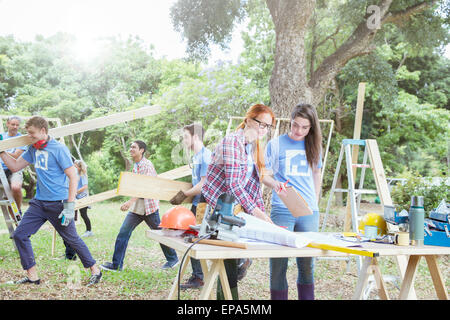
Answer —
295 203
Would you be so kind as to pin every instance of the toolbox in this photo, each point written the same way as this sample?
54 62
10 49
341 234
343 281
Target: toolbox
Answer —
437 226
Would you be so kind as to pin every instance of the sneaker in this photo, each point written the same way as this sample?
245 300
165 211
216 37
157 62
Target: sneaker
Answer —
109 266
87 234
26 280
242 269
94 279
170 265
193 283
73 258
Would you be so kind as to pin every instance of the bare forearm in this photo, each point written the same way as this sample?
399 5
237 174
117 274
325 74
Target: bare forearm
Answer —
13 164
195 190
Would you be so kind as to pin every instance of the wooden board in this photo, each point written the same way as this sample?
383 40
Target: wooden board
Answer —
176 173
171 174
141 186
84 202
295 203
86 125
378 173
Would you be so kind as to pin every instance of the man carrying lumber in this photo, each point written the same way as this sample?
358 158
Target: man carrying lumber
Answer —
193 140
54 200
139 210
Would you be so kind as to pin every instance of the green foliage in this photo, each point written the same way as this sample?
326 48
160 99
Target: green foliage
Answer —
409 129
210 97
416 185
102 173
205 21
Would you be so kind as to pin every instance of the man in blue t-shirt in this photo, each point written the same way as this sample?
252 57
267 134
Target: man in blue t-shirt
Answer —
54 201
15 179
193 141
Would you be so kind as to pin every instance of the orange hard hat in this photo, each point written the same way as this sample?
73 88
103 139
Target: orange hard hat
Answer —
178 217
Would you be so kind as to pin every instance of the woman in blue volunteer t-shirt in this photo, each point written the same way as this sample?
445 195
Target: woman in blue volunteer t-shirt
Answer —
82 192
296 157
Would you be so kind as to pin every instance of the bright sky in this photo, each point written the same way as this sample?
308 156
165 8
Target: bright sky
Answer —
89 19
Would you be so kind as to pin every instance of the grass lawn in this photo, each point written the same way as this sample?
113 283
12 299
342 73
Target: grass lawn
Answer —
143 278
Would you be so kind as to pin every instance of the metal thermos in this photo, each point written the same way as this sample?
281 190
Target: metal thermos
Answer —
416 220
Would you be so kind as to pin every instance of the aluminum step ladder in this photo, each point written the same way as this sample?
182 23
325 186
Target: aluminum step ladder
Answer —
354 194
11 212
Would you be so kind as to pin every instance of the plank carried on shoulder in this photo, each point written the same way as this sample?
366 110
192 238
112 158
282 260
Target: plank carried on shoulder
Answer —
86 125
141 186
84 202
176 173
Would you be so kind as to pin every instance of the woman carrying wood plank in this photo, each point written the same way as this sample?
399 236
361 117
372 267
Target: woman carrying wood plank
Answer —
296 157
235 168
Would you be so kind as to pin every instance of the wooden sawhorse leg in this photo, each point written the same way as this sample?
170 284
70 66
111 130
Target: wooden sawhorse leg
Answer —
174 290
217 269
210 274
370 266
435 273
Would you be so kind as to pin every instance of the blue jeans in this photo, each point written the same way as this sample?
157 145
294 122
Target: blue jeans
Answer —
305 266
132 220
37 214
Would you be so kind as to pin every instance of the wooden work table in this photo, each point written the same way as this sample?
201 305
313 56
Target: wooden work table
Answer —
216 255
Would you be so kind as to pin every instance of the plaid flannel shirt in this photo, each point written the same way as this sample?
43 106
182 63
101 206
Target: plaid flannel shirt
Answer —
146 167
227 171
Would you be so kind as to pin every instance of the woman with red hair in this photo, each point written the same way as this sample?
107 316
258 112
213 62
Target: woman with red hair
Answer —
236 168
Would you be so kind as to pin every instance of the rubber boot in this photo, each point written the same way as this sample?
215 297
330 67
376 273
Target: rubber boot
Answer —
278 294
232 273
220 295
305 291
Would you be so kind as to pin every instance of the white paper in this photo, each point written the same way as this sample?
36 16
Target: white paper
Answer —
258 229
330 239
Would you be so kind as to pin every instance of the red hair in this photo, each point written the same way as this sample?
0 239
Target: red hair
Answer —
253 112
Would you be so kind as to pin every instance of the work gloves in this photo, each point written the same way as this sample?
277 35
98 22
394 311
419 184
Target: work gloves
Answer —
178 198
68 213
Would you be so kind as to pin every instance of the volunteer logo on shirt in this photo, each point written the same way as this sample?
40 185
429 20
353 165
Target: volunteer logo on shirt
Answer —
41 160
296 163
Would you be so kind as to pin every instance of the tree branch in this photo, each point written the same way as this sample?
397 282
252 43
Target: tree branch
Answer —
403 15
358 44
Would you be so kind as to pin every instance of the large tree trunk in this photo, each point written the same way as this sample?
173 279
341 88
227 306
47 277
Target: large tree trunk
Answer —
288 83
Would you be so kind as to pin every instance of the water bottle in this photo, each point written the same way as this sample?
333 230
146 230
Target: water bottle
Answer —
416 220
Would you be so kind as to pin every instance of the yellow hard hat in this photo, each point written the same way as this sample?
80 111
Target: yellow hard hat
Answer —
373 219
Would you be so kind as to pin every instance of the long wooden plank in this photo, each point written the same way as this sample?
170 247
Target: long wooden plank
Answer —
355 149
171 174
177 173
84 202
86 125
378 173
142 186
